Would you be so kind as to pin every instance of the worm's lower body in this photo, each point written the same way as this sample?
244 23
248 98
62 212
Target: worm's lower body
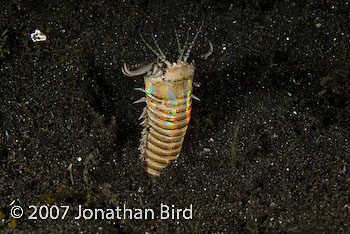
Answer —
165 128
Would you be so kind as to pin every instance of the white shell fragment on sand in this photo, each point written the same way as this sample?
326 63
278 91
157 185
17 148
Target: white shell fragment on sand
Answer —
38 36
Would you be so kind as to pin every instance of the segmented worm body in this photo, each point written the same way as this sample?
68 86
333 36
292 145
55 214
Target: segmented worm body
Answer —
168 89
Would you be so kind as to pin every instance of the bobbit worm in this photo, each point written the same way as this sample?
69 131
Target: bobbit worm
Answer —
168 98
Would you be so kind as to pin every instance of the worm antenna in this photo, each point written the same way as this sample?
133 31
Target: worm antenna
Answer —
159 54
177 40
181 52
211 49
162 58
187 54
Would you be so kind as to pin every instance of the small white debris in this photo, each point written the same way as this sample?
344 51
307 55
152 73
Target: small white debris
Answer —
344 169
206 150
197 84
38 36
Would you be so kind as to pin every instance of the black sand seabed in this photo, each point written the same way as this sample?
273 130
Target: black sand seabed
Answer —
267 149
